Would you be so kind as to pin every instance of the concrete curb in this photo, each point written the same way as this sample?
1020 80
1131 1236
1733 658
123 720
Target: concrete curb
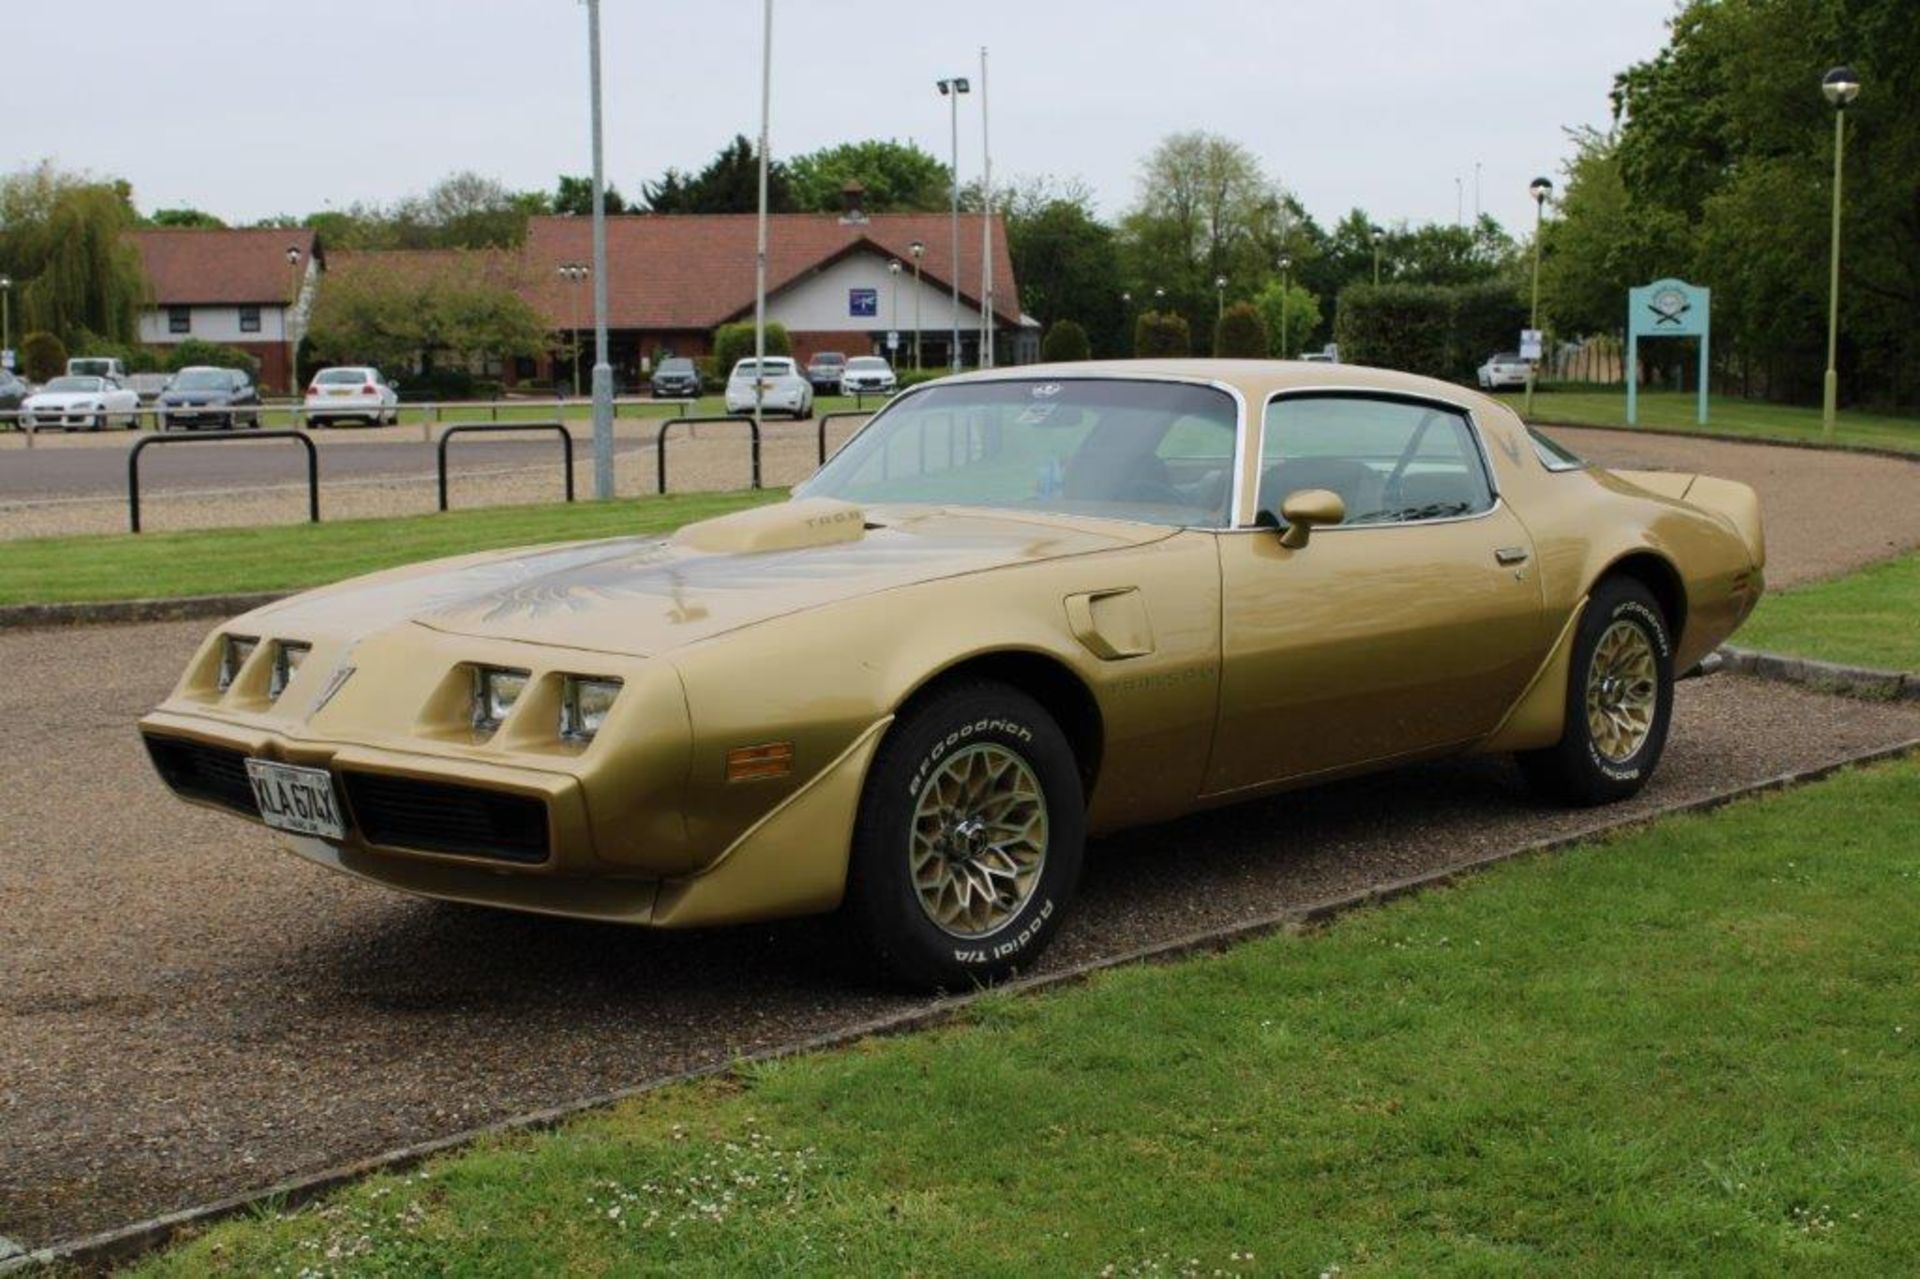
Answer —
1870 450
1826 677
109 612
96 1253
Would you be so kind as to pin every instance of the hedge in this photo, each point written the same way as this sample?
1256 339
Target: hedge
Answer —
733 343
1159 334
1065 342
1241 334
1438 331
43 356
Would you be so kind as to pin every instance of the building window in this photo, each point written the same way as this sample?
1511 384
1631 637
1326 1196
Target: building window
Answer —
179 319
249 319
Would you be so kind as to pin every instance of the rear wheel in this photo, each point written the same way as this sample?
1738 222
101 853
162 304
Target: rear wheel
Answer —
969 839
1619 700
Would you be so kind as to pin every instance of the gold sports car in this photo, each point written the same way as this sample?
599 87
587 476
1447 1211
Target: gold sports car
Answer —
1018 608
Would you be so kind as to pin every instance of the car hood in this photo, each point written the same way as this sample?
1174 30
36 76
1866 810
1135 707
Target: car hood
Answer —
63 399
642 596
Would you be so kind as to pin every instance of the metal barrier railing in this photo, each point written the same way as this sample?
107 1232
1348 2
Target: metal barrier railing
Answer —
295 413
660 443
839 415
490 428
140 446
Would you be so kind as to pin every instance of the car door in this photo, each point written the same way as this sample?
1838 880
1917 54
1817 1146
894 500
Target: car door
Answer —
1411 626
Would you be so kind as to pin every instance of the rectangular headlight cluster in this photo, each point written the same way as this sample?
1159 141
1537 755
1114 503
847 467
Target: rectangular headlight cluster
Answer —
584 700
495 690
234 652
287 656
237 650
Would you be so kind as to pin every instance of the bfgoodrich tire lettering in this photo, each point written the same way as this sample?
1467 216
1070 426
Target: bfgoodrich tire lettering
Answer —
1619 700
969 839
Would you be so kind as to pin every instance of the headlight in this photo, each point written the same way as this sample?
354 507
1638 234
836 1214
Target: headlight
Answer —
584 703
495 690
234 652
287 656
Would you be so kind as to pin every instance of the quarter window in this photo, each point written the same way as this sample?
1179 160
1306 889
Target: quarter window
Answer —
179 319
1391 461
249 319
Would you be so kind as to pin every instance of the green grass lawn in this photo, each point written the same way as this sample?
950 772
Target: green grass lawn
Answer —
287 556
1752 419
1695 1049
1867 618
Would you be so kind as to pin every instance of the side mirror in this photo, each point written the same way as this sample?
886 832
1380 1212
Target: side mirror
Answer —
1307 508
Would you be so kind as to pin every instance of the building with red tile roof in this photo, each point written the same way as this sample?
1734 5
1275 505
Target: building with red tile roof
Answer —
235 287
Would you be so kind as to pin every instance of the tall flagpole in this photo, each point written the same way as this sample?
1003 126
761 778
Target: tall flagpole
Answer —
986 225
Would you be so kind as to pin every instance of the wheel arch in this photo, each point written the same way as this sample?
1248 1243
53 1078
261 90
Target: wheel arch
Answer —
1041 676
1657 573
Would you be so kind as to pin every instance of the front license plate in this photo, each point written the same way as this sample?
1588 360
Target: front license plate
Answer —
295 799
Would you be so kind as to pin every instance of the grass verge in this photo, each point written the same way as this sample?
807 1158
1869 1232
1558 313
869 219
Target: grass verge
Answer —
1693 1049
1726 415
1867 618
114 566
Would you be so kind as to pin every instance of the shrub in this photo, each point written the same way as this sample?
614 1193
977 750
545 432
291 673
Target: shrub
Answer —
1441 332
439 384
1161 333
1241 334
194 351
710 378
915 377
1065 342
734 342
43 356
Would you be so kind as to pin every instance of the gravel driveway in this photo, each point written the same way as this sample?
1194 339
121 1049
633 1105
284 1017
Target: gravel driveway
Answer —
186 1011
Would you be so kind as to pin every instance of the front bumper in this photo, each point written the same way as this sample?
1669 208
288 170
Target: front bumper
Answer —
63 419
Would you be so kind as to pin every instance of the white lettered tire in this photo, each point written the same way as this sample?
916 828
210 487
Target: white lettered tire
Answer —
969 839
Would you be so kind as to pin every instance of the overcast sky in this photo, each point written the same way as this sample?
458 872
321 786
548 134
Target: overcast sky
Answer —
252 107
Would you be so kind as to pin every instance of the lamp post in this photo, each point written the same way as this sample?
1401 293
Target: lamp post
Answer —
919 250
760 235
1540 189
1286 296
573 273
6 313
951 90
893 306
1841 86
602 370
1219 299
1379 237
1159 299
286 321
986 225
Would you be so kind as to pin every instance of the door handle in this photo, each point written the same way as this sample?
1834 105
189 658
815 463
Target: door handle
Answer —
1510 554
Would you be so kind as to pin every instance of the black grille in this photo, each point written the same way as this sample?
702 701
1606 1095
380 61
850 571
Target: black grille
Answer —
441 817
198 771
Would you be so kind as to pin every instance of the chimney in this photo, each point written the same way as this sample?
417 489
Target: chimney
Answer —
853 200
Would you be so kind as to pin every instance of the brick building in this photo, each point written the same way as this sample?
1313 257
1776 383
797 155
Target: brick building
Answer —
235 287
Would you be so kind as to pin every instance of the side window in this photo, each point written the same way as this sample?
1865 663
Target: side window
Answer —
249 319
179 319
1391 461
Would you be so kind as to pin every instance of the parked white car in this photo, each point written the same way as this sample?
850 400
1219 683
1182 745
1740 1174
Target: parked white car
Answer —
783 388
356 391
1505 369
868 374
75 403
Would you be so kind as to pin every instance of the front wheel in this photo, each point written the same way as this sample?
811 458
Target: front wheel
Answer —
969 839
1619 701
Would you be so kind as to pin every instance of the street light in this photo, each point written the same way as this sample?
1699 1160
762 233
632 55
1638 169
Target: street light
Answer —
286 321
1286 265
1379 237
1841 86
1540 189
919 250
602 369
893 308
1219 298
574 273
1159 298
6 315
951 90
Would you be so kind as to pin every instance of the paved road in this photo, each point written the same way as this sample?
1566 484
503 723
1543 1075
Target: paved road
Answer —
187 1012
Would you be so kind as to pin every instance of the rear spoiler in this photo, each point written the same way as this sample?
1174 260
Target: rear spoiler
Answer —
1731 500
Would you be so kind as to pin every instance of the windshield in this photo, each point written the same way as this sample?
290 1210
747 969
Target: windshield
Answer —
90 368
73 384
829 357
1157 452
202 380
868 364
775 368
335 377
676 366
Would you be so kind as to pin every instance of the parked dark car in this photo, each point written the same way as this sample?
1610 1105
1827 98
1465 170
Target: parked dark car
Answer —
676 377
13 392
206 396
825 370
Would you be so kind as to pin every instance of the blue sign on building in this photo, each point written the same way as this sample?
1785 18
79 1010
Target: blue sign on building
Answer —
863 302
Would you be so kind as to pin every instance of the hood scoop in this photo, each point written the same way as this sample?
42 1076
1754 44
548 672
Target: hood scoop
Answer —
785 526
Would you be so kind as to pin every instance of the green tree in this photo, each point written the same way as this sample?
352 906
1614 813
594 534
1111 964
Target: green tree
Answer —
389 314
574 196
1067 262
729 184
63 241
1240 333
1205 209
43 356
734 342
1301 312
1065 343
184 217
898 177
1160 334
